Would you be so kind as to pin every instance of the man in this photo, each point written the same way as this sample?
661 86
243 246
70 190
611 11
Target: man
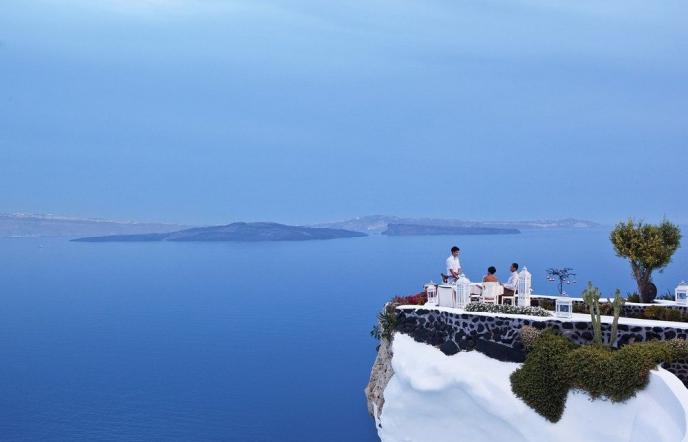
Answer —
512 283
453 265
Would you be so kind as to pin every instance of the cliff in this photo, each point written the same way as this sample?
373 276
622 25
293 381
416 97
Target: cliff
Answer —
447 373
380 375
434 397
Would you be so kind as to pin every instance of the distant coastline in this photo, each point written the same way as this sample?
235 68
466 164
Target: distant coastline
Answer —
425 230
378 224
17 225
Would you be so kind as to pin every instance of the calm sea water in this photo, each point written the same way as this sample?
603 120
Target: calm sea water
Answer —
229 341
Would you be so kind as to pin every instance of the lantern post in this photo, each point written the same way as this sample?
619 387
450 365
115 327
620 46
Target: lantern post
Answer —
681 293
524 287
431 292
463 291
563 307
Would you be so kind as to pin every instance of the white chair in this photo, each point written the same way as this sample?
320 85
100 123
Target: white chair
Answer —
446 295
511 298
491 292
476 291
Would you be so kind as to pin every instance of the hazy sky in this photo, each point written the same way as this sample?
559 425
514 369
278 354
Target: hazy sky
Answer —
299 111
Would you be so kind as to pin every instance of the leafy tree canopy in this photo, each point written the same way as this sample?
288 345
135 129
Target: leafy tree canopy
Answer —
645 245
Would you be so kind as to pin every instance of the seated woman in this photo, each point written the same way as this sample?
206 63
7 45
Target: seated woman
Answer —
490 277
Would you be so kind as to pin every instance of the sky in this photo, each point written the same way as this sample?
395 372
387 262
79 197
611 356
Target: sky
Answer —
302 111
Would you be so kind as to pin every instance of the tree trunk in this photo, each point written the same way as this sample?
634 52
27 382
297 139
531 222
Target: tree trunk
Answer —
646 289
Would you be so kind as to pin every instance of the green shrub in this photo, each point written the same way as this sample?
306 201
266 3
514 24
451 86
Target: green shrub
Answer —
529 335
588 365
605 308
554 365
542 381
386 323
616 375
664 314
506 308
667 296
632 297
679 348
545 303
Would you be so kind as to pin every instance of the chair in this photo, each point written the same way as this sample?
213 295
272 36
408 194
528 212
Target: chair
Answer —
491 292
476 292
446 295
512 298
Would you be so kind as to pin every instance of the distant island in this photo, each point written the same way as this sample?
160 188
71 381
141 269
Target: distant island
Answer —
419 230
259 231
377 224
47 225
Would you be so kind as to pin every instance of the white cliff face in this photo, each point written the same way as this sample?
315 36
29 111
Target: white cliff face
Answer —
467 397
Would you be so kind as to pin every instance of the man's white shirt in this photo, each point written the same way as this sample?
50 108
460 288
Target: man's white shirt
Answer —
453 264
512 282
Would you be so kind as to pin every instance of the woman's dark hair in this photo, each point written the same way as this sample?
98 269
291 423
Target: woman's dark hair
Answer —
515 265
455 249
491 270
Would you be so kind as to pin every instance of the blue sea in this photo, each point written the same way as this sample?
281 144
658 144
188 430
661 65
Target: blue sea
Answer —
230 341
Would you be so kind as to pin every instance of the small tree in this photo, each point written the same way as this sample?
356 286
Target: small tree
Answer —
561 276
648 248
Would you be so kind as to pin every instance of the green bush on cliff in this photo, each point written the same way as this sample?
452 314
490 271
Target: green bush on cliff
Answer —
387 317
386 322
554 365
618 375
529 335
542 382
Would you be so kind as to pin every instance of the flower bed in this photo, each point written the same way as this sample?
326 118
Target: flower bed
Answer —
387 318
417 299
505 308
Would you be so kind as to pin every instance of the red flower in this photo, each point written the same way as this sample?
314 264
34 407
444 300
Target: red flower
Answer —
417 299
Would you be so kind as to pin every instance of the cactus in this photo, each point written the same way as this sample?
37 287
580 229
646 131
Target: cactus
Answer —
591 296
617 306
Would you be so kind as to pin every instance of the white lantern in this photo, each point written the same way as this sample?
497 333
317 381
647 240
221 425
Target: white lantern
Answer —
463 292
681 293
431 292
524 288
564 307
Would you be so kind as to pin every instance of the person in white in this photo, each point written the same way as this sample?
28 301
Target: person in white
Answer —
453 265
511 284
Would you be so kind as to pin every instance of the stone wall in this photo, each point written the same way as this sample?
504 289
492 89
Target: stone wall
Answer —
499 336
